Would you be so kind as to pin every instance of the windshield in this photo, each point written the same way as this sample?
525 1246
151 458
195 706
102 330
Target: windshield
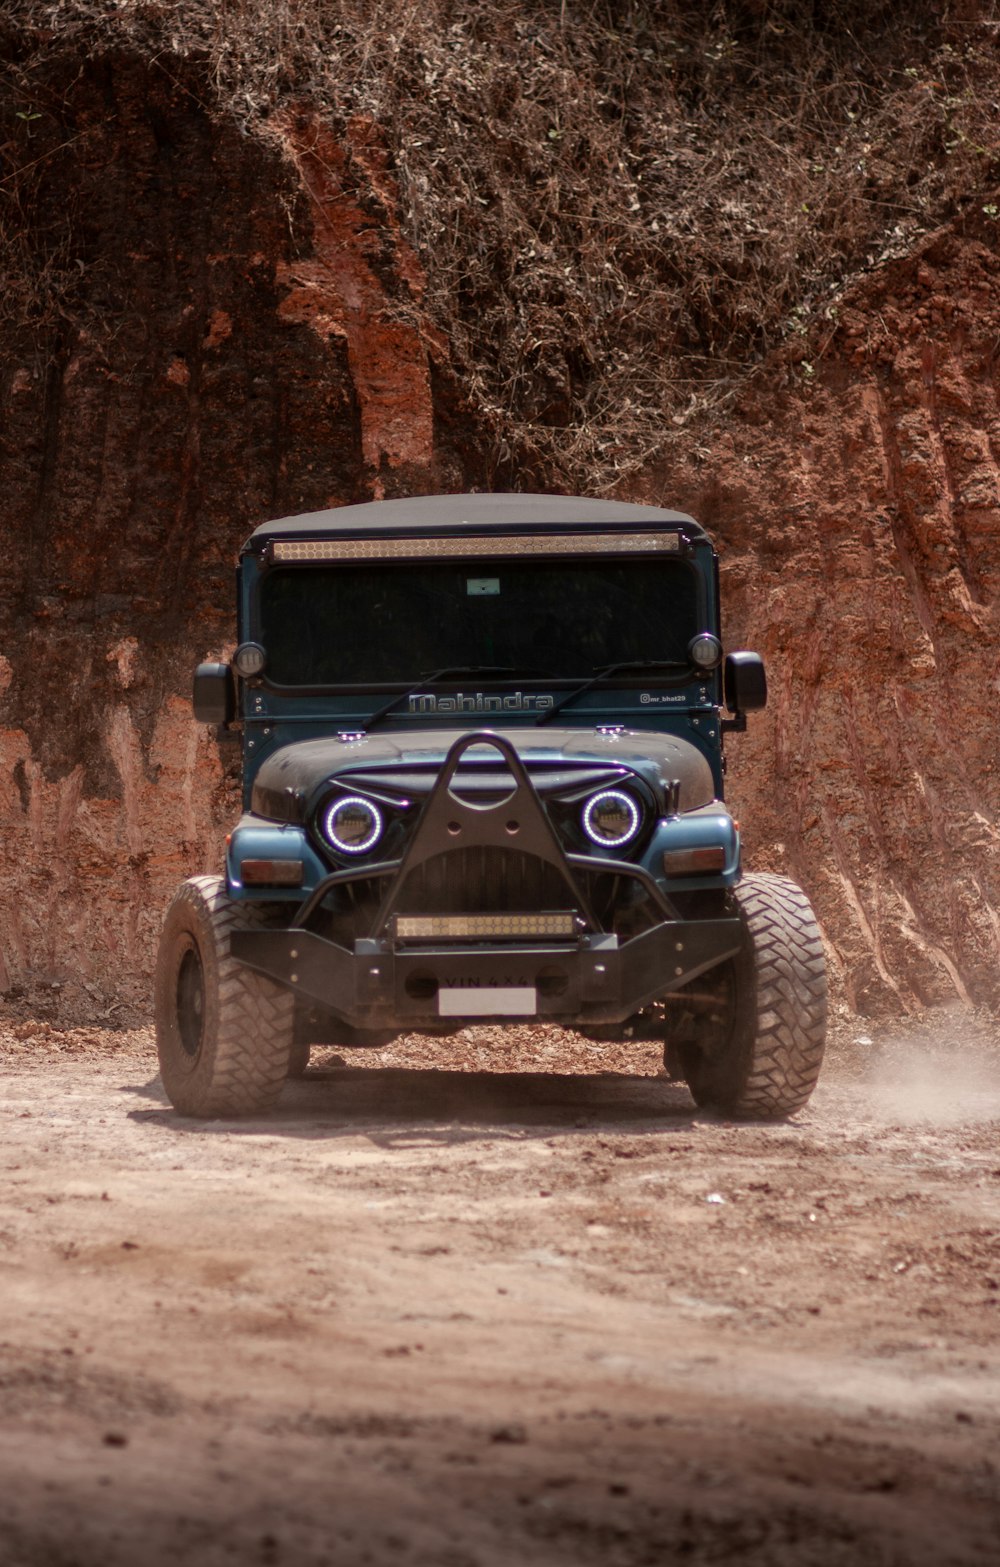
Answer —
383 624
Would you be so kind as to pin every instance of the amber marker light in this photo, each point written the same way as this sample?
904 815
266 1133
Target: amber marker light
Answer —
694 862
272 873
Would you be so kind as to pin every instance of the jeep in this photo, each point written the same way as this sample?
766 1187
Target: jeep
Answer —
482 746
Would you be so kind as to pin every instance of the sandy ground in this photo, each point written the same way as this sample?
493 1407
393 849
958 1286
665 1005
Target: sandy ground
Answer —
500 1300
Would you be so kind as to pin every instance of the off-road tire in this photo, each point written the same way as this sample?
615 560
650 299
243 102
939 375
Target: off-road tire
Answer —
223 1032
759 1054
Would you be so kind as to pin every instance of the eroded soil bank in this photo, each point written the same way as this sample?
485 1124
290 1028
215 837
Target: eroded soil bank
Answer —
493 258
474 1302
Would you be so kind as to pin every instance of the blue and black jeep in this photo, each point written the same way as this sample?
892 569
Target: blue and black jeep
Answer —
483 780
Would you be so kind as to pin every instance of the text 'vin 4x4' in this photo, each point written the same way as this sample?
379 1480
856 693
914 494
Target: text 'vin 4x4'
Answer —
483 779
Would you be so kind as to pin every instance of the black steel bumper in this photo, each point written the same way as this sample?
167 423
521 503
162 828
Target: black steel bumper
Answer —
385 981
387 984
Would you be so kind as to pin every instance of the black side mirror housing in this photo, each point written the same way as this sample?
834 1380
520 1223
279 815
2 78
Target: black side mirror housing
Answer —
744 682
214 694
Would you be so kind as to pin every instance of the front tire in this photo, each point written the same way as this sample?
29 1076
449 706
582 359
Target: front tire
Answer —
757 1053
223 1032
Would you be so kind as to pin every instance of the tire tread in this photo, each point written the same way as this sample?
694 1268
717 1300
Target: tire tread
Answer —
246 1062
790 997
761 1058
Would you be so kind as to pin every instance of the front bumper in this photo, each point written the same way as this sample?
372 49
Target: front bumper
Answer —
389 984
389 980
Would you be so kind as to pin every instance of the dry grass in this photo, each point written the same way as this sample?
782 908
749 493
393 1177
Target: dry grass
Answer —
621 207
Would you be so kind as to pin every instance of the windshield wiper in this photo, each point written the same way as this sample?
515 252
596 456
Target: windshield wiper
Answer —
604 673
433 677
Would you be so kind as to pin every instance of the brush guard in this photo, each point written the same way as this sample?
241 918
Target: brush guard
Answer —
415 970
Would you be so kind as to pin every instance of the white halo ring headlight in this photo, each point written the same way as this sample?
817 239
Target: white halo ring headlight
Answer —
611 818
352 824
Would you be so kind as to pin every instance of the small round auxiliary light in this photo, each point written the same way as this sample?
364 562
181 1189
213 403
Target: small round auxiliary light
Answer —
249 659
611 818
353 825
705 650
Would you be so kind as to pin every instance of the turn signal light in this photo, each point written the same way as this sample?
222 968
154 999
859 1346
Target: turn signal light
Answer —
272 873
694 862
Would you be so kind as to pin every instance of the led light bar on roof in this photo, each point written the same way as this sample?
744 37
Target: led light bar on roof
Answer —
483 927
286 550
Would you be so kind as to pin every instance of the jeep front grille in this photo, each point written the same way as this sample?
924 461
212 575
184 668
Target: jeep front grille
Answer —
489 880
483 880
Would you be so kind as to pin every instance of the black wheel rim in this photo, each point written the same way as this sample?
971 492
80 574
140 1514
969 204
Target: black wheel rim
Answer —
191 1002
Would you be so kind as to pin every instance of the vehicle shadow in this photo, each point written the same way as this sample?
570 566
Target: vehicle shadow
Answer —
394 1105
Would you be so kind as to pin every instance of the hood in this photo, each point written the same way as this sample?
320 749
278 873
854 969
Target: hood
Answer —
290 780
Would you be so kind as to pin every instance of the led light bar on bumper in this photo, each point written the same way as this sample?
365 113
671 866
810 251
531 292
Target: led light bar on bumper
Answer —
455 547
485 927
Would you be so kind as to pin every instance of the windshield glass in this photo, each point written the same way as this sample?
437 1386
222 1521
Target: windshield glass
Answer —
380 624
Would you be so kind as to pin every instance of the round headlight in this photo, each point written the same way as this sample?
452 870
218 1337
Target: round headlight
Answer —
611 818
705 650
352 825
249 659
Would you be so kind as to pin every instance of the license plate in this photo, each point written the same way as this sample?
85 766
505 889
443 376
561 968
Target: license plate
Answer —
487 1001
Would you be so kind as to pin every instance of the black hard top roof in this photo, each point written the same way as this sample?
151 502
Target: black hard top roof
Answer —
469 513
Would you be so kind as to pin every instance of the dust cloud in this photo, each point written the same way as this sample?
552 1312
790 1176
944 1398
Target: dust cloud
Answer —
951 1082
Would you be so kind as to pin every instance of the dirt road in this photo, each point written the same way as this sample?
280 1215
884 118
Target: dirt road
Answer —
473 1303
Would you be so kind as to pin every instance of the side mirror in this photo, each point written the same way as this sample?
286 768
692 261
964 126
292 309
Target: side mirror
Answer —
745 683
214 694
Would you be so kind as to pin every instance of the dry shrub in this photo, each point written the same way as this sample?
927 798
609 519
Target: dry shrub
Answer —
621 207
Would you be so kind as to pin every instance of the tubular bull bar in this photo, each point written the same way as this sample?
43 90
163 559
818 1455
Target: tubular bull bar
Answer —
393 978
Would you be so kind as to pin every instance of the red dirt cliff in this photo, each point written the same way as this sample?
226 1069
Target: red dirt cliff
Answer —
245 329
